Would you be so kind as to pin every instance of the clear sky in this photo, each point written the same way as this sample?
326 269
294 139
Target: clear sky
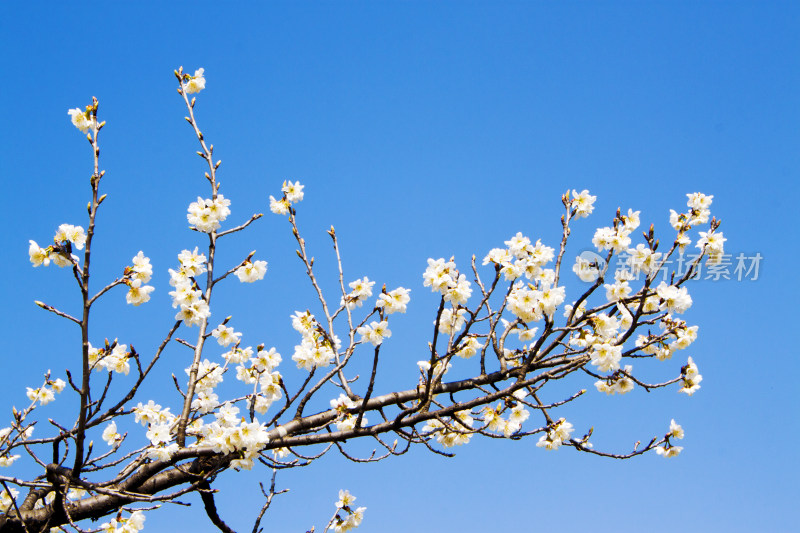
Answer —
425 129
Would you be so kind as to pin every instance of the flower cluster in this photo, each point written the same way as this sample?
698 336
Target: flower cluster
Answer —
352 517
132 524
699 205
442 276
113 357
674 299
206 215
317 348
668 450
46 393
691 378
260 371
160 436
712 243
375 332
677 336
70 233
345 420
522 258
159 424
230 433
606 356
556 435
342 404
582 203
604 328
619 382
65 238
238 355
532 301
7 497
205 401
395 301
209 376
620 289
617 238
152 414
643 259
226 336
456 431
361 290
138 274
292 194
531 304
452 320
141 269
493 416
607 331
193 306
469 347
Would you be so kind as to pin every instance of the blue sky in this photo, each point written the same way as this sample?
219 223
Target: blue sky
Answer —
421 130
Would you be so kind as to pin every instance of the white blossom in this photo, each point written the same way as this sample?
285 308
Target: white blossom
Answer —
39 256
83 120
394 301
279 207
138 293
142 268
451 322
293 191
672 451
251 271
674 299
375 332
196 83
70 233
583 203
225 335
110 434
361 290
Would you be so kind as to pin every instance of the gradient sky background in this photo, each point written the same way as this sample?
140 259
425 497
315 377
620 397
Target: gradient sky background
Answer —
421 130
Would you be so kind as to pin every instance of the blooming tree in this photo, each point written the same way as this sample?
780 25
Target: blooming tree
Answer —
508 321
